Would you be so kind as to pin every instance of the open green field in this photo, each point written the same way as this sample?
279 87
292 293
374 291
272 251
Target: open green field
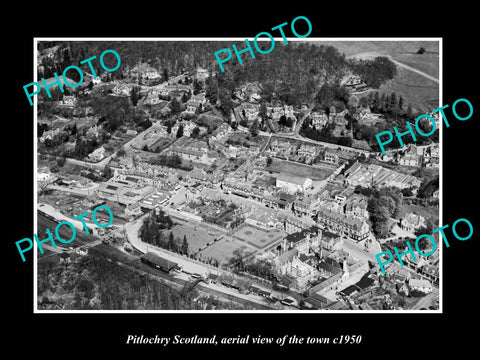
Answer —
297 169
420 92
197 236
223 250
427 62
393 48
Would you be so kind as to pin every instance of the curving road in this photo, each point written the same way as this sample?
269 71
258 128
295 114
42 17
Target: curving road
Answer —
426 301
414 70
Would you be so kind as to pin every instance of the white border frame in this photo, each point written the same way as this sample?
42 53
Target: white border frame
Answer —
440 85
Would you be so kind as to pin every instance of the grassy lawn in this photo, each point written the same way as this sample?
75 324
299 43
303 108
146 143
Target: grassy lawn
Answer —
257 237
197 236
420 92
222 250
298 169
427 62
392 48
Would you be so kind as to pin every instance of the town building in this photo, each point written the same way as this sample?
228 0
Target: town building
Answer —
308 152
201 74
420 285
97 154
304 241
412 222
319 119
121 89
356 229
306 206
158 262
249 111
292 183
370 175
68 100
132 210
356 206
331 156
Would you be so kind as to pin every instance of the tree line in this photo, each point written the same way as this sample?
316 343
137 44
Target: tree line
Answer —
153 229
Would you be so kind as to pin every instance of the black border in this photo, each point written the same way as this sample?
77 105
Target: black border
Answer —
383 334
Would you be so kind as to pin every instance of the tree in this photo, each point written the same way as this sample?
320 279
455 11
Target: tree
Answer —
211 89
195 132
332 94
269 161
197 87
53 167
410 112
262 112
165 74
135 95
185 245
121 152
421 50
254 128
400 104
171 242
392 104
226 104
145 148
41 128
180 131
175 106
107 172
236 262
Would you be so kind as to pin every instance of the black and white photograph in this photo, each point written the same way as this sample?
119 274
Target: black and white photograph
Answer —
288 180
259 187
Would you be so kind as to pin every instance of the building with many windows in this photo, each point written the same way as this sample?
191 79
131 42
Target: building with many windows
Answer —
356 229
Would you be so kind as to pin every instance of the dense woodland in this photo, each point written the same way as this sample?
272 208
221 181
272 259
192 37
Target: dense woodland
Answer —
294 74
153 230
92 283
291 73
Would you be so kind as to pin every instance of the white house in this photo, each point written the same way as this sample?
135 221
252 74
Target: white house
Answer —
319 119
202 74
97 154
122 89
133 210
421 285
68 100
412 222
292 183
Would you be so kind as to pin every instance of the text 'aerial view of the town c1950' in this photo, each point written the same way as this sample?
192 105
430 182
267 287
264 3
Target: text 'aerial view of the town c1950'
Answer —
262 187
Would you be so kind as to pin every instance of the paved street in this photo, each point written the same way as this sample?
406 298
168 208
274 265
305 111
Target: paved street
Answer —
188 265
426 301
356 251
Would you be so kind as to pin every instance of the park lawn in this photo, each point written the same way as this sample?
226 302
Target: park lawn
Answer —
421 93
426 62
257 237
223 250
292 168
197 236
